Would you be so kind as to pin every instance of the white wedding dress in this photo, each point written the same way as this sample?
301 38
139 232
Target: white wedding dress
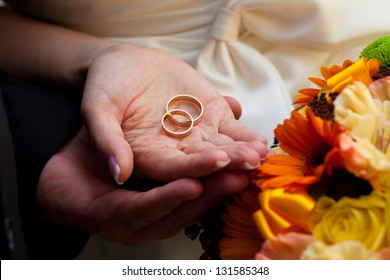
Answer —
259 51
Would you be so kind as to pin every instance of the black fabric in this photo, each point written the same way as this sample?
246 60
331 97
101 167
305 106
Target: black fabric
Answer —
40 120
4 250
4 134
13 245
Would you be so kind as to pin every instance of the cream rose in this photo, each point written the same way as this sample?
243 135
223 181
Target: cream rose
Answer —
366 220
365 112
346 250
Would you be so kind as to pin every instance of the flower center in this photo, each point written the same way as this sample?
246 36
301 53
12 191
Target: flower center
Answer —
339 184
322 105
312 161
315 158
382 73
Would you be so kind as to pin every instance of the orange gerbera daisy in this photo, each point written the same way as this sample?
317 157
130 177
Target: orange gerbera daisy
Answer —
309 143
306 94
242 239
336 78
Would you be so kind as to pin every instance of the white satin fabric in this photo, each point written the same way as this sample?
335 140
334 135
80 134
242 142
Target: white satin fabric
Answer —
259 51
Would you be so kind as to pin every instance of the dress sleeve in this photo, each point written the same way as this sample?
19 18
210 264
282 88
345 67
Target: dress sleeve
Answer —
40 120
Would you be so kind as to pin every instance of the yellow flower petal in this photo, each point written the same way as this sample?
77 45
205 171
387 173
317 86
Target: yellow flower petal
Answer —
366 220
295 206
359 71
283 211
263 225
279 223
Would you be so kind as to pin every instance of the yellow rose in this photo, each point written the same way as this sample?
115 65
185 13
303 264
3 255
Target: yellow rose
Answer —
366 220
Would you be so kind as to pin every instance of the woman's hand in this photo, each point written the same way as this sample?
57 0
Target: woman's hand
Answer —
126 89
125 95
76 189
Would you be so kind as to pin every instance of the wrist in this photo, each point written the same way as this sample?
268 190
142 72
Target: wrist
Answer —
90 53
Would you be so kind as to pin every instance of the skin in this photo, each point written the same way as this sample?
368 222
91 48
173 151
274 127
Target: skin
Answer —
218 138
125 89
76 189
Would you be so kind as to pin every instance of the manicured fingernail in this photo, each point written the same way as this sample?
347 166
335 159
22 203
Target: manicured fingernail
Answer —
222 163
115 169
248 166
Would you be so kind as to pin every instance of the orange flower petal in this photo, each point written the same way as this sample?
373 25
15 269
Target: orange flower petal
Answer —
288 182
239 248
305 95
248 199
237 215
373 66
276 165
319 82
243 232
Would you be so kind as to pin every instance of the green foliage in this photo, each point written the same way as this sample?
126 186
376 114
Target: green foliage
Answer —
379 49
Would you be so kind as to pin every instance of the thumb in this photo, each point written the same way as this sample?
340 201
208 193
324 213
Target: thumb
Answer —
235 106
106 133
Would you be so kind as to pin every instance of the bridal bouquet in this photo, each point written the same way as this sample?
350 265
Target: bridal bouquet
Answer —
324 193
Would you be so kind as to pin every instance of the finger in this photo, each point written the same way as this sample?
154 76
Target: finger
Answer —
104 127
170 164
132 212
244 156
234 106
149 207
217 187
239 132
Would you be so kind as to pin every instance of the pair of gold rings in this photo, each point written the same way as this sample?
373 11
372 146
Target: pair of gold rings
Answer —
183 111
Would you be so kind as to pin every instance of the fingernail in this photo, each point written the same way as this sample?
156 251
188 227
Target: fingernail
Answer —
222 163
115 169
263 159
248 166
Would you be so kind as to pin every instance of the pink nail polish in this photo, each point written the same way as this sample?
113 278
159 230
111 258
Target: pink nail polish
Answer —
115 169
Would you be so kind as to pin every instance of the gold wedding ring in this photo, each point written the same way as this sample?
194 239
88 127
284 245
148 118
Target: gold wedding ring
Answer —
195 106
178 122
180 132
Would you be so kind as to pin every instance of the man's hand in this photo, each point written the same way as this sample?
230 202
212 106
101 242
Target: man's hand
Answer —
76 189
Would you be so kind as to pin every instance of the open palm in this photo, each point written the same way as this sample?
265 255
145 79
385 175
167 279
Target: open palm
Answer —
124 99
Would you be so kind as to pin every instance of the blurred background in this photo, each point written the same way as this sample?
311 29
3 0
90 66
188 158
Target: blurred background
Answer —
179 247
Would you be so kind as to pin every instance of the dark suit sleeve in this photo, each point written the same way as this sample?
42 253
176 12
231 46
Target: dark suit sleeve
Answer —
12 241
40 121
